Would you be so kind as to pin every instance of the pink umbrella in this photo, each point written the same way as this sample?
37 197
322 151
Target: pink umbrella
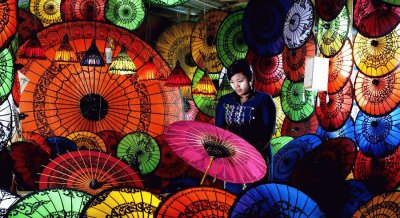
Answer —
215 151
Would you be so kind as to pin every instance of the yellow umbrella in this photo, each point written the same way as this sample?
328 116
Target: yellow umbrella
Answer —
48 11
88 140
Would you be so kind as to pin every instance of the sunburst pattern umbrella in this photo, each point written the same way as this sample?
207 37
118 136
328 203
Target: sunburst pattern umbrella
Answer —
385 205
8 20
278 143
296 129
87 140
7 71
83 10
205 104
347 130
329 9
47 11
128 14
340 68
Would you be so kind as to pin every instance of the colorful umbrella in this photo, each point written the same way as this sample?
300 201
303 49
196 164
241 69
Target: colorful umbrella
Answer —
332 35
375 18
377 56
280 117
347 130
38 140
87 140
230 39
111 139
296 129
47 11
6 169
379 173
285 160
263 23
89 171
297 103
171 165
60 145
6 123
8 22
358 195
191 110
275 200
27 24
140 151
206 104
383 205
7 78
340 68
298 25
329 9
197 202
128 14
216 151
333 112
377 96
294 60
60 202
6 200
83 10
393 2
278 143
203 41
122 202
378 136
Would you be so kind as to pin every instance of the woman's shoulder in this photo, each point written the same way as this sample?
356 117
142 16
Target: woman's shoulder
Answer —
228 97
263 96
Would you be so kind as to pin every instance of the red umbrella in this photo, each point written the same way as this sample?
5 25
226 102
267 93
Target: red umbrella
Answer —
8 22
83 10
27 24
37 139
111 139
296 129
329 9
340 68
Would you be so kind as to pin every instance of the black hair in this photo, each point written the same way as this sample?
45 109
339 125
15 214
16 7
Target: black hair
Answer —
240 66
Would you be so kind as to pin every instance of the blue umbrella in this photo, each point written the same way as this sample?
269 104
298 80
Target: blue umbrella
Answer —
378 136
60 145
347 130
275 200
286 158
358 195
278 143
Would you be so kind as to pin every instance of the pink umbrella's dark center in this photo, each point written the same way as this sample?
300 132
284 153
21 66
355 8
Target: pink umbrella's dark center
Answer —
374 43
216 147
93 107
94 184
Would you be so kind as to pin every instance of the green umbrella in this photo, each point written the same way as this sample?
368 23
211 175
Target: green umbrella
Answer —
278 143
224 87
231 45
50 203
7 74
125 13
140 150
393 2
205 104
297 103
168 3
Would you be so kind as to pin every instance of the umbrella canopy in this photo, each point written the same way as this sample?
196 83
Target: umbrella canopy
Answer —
332 35
60 145
378 136
8 22
47 11
280 117
6 122
83 10
340 68
296 129
329 9
298 24
377 56
347 130
128 14
230 39
197 202
111 139
377 96
228 157
87 140
294 60
385 204
278 143
169 3
38 140
7 78
122 202
140 151
60 202
263 23
6 200
89 171
393 2
205 104
358 195
27 24
275 200
375 18
203 42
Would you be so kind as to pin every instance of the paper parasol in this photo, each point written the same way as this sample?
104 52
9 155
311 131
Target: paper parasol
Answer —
47 11
299 128
329 9
340 68
83 10
126 14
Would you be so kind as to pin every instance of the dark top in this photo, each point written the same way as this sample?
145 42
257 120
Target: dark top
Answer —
253 120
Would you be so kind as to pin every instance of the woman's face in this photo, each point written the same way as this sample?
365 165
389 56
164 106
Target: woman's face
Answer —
240 84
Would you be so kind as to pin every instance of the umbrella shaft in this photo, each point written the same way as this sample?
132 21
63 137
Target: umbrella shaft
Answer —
208 168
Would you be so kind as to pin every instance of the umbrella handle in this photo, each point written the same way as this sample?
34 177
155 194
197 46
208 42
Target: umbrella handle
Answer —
212 158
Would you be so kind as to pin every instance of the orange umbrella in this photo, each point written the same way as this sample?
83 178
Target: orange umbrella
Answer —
297 129
383 205
8 22
87 140
340 68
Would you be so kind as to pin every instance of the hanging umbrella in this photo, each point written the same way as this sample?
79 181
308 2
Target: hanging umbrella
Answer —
384 205
280 117
375 18
38 140
168 3
28 160
329 9
122 202
377 56
340 68
297 103
285 160
224 86
47 11
111 139
359 194
7 78
216 151
296 129
332 35
128 14
6 201
60 145
298 24
334 109
294 60
204 39
263 23
89 171
27 24
8 22
6 124
171 165
347 130
83 10
197 202
381 174
378 136
205 104
60 202
275 200
230 39
87 140
377 96
140 151
278 143
268 72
